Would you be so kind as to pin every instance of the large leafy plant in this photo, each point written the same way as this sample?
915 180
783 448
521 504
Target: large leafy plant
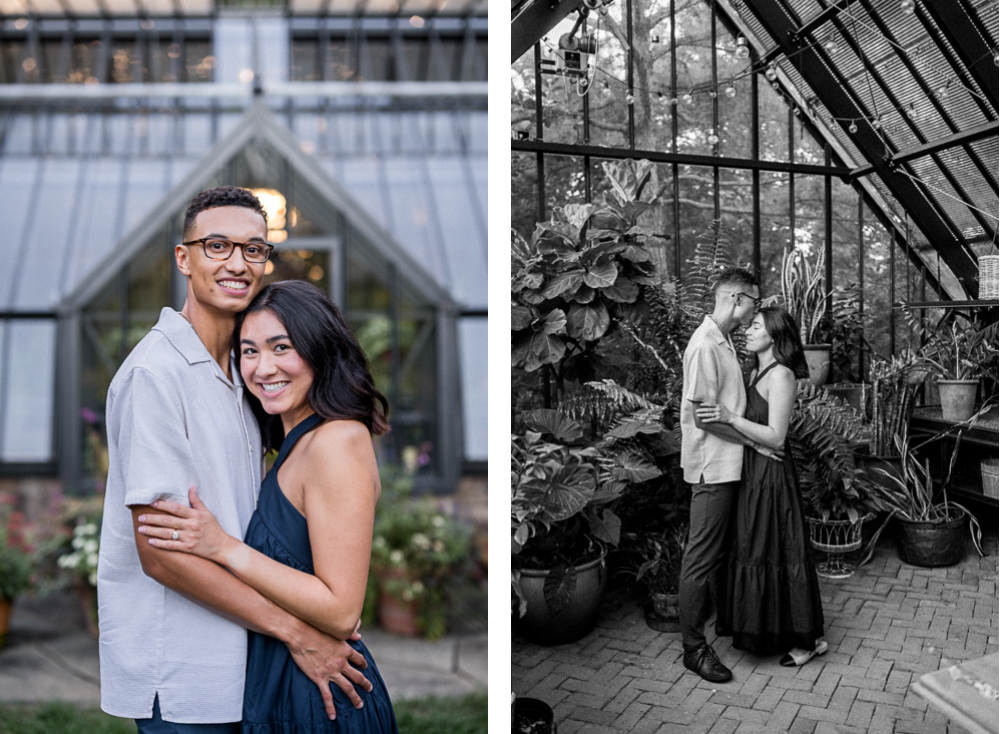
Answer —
821 434
563 492
581 270
802 291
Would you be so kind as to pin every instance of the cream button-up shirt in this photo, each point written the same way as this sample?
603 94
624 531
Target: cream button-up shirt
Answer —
174 421
712 374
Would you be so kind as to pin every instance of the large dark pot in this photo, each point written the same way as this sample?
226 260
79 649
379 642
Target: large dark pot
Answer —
532 716
931 544
579 615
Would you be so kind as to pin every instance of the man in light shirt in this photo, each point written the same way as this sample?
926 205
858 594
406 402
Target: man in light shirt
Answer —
173 626
712 460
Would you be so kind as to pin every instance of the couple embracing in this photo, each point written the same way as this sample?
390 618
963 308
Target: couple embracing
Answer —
747 546
195 551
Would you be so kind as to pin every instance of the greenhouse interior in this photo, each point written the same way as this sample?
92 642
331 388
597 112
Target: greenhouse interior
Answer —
843 156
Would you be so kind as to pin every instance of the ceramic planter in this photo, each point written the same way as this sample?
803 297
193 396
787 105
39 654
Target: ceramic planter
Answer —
575 620
818 360
958 399
931 544
532 716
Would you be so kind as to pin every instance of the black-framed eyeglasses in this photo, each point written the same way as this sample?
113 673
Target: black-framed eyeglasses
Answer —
219 249
756 301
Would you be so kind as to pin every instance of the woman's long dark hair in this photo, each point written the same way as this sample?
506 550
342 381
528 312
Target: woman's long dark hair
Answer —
784 332
342 386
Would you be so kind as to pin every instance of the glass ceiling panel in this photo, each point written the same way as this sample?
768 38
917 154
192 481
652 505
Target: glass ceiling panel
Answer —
17 186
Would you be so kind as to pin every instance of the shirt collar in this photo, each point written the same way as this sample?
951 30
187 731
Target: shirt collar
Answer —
185 340
715 332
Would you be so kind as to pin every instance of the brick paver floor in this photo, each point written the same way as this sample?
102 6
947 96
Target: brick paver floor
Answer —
887 625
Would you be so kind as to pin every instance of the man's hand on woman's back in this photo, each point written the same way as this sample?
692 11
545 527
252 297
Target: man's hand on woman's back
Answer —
326 660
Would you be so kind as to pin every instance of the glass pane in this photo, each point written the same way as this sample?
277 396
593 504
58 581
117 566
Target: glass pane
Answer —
341 64
17 179
198 61
736 196
694 78
877 287
11 53
305 60
100 356
93 234
50 48
413 412
379 66
523 193
30 391
39 282
124 61
83 62
462 232
564 181
411 215
472 349
446 63
775 229
696 192
773 123
360 176
147 180
562 107
416 58
312 266
148 288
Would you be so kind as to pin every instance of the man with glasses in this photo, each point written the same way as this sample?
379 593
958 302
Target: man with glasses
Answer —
712 460
173 626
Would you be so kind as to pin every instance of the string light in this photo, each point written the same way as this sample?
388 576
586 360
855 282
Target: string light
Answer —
772 72
742 49
831 47
713 139
908 6
730 91
853 128
630 99
688 98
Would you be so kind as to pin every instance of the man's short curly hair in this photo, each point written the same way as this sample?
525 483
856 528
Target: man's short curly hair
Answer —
740 277
221 196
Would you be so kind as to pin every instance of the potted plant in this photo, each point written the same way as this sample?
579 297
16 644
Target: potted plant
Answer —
958 357
843 327
652 558
930 526
16 558
805 299
563 521
835 491
418 554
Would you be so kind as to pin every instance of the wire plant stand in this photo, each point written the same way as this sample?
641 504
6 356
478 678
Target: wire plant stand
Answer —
835 539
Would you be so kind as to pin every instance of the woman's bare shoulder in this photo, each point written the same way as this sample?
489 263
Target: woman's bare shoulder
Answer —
341 439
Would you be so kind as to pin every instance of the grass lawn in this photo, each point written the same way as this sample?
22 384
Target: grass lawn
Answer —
465 715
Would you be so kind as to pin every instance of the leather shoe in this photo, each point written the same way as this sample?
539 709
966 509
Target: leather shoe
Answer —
703 661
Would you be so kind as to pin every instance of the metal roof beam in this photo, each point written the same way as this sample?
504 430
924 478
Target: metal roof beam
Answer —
540 17
980 132
775 19
966 42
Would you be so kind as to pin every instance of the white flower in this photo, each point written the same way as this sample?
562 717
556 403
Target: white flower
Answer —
92 578
68 561
418 587
396 556
92 560
78 543
379 542
438 521
91 546
420 541
407 595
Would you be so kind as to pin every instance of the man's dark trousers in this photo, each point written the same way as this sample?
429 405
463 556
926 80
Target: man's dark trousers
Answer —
709 531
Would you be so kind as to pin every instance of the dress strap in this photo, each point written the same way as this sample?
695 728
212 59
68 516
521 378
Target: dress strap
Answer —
753 383
303 426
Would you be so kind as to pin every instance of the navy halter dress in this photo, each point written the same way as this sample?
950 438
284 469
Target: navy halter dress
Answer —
772 594
279 698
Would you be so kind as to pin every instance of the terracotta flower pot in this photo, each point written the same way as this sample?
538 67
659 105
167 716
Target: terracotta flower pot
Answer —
5 610
398 617
958 399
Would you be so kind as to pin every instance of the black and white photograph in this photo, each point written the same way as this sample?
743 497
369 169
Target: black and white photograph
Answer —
754 366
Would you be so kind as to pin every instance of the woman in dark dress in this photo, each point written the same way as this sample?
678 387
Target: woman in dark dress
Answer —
309 542
773 601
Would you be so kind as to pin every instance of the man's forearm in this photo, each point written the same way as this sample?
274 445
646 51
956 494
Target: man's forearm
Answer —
212 586
727 432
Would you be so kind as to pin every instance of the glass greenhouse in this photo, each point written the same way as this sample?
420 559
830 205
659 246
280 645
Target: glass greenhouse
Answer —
363 131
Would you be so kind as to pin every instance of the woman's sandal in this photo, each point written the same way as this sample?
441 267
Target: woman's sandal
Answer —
792 659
